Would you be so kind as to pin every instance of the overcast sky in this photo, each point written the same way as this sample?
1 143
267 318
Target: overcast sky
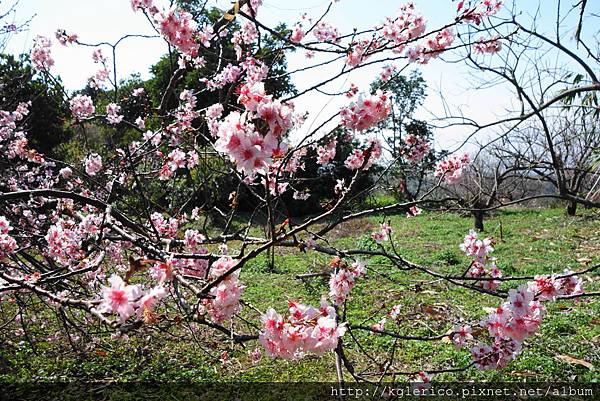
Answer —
108 20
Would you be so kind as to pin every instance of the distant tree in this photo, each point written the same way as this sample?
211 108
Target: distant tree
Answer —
48 112
403 135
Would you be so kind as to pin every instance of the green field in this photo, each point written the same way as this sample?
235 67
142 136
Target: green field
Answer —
529 241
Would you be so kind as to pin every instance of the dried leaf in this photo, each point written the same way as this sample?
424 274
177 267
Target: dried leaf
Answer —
584 261
525 373
574 361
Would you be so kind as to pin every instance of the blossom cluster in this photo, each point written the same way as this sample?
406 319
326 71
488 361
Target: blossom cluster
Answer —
228 75
249 150
483 45
452 168
13 141
297 34
342 281
126 300
475 14
415 148
366 112
237 135
93 164
112 113
165 227
325 32
483 265
305 330
225 301
82 107
179 28
366 157
65 236
196 267
7 243
385 230
41 53
406 27
433 46
359 52
326 153
516 319
64 37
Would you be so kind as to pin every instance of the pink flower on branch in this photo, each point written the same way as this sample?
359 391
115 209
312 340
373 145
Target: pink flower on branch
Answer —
225 301
82 107
493 45
452 168
93 164
342 281
119 298
7 243
305 330
366 112
40 54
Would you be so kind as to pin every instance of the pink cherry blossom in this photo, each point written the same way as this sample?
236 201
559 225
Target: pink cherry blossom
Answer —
148 301
297 34
93 164
40 54
414 211
82 107
166 227
119 298
112 113
65 38
179 29
407 26
461 335
137 92
385 230
141 4
484 8
394 313
493 45
380 325
7 243
325 32
227 294
99 78
326 153
306 330
342 282
387 72
415 148
366 112
228 75
358 52
364 158
452 168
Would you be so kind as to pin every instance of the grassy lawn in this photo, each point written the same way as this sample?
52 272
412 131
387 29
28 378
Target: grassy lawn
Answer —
528 242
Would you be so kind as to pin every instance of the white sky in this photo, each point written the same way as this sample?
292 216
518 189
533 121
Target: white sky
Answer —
108 20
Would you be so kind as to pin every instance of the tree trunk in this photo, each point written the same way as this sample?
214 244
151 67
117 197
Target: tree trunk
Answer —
571 208
478 219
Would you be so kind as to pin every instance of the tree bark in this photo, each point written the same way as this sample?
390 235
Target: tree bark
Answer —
571 208
478 216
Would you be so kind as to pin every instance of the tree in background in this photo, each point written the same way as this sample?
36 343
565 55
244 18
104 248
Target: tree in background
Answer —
46 122
409 141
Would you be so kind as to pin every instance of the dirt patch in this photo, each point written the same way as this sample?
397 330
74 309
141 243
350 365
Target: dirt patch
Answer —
353 228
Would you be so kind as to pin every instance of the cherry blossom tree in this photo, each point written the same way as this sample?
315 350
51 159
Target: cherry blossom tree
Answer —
87 241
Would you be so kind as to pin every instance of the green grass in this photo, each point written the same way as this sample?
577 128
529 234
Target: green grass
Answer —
531 241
